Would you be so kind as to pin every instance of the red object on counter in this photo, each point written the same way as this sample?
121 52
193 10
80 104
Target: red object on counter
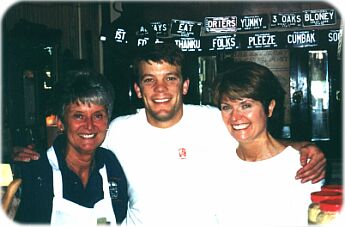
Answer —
317 197
332 188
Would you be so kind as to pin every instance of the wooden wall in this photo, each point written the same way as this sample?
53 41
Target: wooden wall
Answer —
79 23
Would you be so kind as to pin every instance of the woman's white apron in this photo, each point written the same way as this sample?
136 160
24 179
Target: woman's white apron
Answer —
67 212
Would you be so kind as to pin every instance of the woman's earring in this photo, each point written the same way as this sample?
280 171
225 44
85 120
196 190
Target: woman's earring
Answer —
60 130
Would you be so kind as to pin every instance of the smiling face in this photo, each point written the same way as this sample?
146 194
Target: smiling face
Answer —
245 118
162 88
85 126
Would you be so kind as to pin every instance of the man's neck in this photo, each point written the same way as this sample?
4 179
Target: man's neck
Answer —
164 123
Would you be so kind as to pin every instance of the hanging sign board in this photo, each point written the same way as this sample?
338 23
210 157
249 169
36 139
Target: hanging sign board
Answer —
328 37
185 28
161 28
249 23
286 20
144 35
188 44
142 31
225 42
158 40
319 17
220 24
142 41
333 36
120 36
302 39
261 40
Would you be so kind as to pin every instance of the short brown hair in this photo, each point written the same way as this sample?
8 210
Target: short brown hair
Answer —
160 52
250 80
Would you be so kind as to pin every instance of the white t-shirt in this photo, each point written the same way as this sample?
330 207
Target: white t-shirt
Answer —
171 171
264 193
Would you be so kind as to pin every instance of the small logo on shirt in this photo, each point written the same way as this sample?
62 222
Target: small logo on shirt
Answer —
113 189
182 152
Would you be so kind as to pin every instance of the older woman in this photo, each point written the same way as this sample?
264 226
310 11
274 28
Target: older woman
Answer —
76 181
265 193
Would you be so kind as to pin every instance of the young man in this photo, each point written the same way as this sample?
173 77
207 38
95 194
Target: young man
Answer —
168 149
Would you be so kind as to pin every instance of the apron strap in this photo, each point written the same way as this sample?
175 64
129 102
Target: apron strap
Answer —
107 207
57 177
103 172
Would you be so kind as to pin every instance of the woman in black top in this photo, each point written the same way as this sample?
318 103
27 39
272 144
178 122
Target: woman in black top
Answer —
76 181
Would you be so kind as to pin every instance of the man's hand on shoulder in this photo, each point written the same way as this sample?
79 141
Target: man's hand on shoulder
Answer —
313 163
24 154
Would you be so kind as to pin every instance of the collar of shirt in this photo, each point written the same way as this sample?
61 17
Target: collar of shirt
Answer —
73 189
59 147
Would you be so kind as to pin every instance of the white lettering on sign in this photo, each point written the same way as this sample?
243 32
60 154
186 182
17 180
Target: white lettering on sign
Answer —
142 42
291 18
120 34
319 16
301 38
160 27
285 20
261 40
185 27
188 43
333 36
223 23
143 30
251 22
224 42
